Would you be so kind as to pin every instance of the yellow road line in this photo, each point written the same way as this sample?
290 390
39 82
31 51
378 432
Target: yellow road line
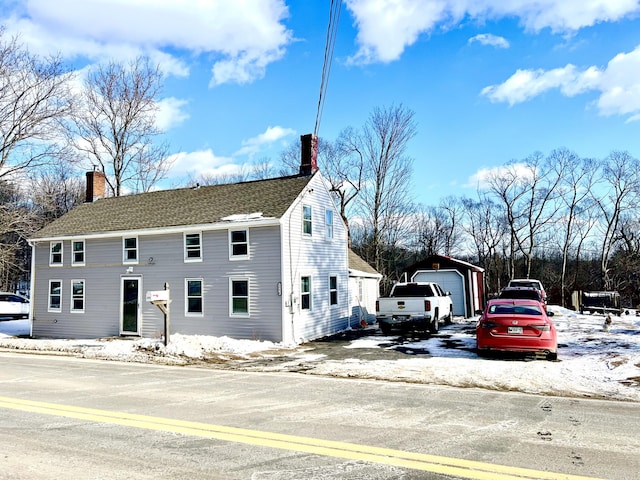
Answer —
431 463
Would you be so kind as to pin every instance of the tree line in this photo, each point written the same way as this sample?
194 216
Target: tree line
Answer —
569 221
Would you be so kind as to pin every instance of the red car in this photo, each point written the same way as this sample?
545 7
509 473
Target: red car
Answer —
517 325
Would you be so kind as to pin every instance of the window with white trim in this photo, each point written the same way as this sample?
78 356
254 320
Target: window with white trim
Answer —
55 296
193 247
130 250
77 252
333 290
305 293
55 255
328 224
193 296
239 297
77 296
238 244
307 220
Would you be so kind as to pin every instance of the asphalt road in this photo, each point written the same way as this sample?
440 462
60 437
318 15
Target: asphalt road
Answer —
76 418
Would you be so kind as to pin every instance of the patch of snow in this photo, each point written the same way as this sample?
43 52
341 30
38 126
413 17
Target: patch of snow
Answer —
593 361
242 217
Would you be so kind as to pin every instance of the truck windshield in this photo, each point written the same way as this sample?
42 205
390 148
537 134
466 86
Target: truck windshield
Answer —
412 290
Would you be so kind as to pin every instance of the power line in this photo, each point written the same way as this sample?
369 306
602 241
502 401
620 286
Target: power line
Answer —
332 31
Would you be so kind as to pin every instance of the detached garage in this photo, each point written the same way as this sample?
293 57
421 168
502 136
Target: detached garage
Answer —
464 280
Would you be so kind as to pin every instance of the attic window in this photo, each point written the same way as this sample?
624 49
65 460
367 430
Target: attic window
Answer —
306 220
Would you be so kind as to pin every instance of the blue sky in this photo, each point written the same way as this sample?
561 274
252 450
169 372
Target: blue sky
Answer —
489 80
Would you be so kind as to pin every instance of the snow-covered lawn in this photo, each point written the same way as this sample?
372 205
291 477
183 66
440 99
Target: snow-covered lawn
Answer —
592 362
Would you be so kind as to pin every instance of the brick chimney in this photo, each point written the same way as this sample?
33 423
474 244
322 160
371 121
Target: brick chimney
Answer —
95 185
308 154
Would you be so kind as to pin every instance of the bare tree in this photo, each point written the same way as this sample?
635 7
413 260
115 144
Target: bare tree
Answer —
577 179
34 98
115 126
438 228
510 186
487 227
621 178
384 202
17 223
528 192
55 190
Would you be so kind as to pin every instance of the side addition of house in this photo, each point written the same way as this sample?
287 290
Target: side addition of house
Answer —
263 260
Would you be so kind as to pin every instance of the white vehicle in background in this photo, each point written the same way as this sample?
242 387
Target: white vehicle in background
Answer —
414 305
528 283
13 306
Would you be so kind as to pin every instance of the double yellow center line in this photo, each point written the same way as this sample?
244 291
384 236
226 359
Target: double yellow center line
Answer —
397 458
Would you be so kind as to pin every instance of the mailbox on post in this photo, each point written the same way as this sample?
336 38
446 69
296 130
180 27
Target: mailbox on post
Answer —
162 299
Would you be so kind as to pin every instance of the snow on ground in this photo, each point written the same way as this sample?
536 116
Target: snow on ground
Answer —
592 362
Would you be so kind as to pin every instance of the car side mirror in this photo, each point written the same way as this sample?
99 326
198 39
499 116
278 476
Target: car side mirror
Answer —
478 312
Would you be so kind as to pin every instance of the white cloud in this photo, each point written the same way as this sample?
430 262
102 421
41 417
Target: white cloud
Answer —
490 40
247 35
618 85
171 113
481 179
203 162
270 136
387 27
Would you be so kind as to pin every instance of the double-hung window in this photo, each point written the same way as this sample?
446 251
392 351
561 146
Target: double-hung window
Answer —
77 296
77 252
193 300
193 247
55 254
328 224
55 296
305 293
239 301
333 290
238 244
130 250
307 220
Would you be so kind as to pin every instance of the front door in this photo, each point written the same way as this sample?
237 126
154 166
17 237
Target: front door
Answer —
130 313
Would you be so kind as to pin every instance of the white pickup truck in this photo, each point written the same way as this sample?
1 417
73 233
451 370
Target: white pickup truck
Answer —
415 305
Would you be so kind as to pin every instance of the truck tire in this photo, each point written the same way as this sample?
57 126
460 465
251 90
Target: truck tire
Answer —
448 320
435 322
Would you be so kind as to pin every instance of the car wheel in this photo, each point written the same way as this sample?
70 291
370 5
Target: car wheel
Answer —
386 329
552 356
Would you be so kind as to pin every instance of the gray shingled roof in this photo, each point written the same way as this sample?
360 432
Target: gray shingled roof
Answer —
358 263
184 206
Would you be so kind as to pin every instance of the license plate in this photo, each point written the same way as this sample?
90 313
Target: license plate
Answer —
516 330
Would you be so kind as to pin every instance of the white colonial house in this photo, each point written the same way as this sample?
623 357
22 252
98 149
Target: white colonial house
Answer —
264 260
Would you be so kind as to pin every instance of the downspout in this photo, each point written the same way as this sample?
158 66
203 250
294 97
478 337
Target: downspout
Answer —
32 283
